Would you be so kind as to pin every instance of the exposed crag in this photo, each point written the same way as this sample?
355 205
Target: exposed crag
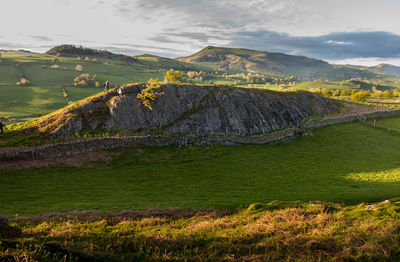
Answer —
188 109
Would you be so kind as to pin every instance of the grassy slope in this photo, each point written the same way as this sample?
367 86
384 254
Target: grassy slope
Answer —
272 63
46 91
272 232
345 163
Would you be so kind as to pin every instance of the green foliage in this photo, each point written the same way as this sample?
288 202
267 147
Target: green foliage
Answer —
86 80
77 50
360 96
23 82
336 93
149 93
326 92
172 76
345 92
387 94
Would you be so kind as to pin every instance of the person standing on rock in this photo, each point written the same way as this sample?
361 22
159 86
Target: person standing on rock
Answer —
2 126
106 85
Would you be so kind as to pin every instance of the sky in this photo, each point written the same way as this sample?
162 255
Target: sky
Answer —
365 32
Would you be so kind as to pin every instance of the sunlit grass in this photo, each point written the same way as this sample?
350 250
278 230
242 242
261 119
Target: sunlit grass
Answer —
386 176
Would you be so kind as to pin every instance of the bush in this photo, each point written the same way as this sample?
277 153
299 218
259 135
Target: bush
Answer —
345 93
149 93
173 76
23 82
396 92
79 68
326 92
360 96
387 94
85 80
336 93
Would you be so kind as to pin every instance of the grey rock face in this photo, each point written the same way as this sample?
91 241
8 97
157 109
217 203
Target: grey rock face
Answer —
196 109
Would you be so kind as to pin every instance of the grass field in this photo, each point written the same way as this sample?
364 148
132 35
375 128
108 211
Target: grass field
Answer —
45 93
271 232
389 122
348 163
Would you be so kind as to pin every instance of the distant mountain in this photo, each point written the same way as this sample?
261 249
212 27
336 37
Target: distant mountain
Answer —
168 63
245 60
385 69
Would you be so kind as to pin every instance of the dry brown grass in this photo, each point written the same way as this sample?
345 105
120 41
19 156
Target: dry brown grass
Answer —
301 232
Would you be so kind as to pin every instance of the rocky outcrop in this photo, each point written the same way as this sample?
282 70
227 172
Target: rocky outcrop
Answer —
189 109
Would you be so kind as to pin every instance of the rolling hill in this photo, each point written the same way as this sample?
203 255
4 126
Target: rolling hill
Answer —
51 74
245 60
385 69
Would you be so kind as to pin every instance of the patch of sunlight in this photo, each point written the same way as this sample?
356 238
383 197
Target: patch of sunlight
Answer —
387 176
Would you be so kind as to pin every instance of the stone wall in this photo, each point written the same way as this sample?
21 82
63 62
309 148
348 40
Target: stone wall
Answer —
70 148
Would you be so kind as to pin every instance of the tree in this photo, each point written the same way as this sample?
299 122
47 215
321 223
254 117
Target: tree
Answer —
345 93
360 96
396 92
173 76
326 92
387 94
149 93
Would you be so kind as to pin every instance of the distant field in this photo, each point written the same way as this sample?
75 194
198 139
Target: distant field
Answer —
348 163
45 94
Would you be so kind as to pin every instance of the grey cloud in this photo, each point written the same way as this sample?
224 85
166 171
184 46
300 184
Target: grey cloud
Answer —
164 39
339 45
222 14
40 38
147 47
138 51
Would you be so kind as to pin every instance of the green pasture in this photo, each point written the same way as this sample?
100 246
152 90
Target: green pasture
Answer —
349 163
387 122
45 93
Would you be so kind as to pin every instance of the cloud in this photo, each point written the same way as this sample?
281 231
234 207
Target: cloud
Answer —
341 45
40 38
222 14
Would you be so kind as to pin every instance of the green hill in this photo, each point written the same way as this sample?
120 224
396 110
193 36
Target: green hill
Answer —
51 76
385 69
245 60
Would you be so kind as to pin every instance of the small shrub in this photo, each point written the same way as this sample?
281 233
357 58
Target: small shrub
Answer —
23 82
173 76
85 80
387 94
360 96
149 93
336 93
79 68
396 92
345 93
326 92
